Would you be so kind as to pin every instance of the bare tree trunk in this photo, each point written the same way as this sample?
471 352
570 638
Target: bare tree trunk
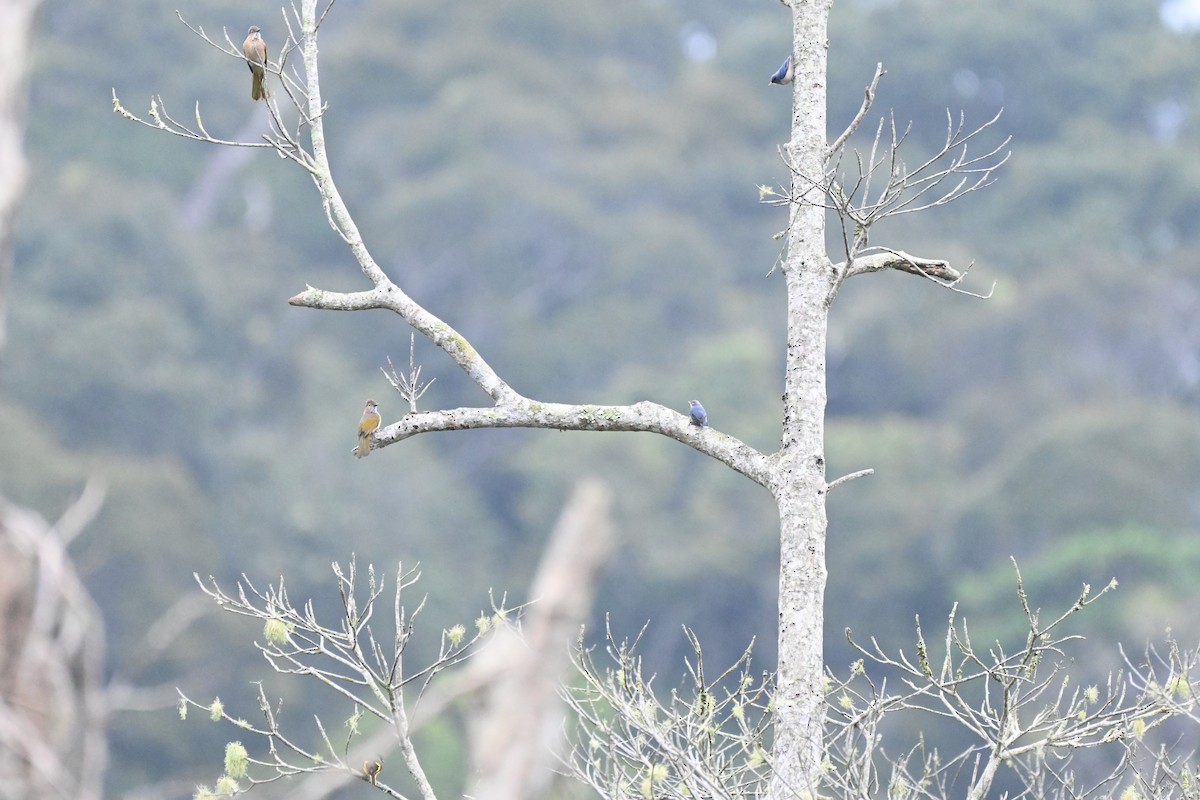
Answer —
800 490
16 36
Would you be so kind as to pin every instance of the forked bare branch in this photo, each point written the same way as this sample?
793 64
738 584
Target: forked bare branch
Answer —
949 174
880 184
509 408
408 384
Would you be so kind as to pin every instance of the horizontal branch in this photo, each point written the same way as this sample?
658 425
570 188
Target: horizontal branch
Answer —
521 412
161 120
899 260
512 410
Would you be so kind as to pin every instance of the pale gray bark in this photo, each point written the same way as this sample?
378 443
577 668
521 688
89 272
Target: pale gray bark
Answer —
799 486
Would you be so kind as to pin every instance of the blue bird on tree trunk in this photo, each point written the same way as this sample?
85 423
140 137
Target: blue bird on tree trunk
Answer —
785 73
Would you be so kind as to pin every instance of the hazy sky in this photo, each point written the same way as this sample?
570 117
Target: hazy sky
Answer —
1181 15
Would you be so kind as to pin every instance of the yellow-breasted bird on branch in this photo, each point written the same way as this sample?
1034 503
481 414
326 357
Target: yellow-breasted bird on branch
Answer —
371 769
366 429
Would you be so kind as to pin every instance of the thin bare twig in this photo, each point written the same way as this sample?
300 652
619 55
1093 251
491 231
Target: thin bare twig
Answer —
868 101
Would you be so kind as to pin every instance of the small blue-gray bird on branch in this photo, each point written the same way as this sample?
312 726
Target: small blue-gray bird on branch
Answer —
698 414
785 73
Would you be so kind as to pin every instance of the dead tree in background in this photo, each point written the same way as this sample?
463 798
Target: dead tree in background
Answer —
16 42
52 710
52 704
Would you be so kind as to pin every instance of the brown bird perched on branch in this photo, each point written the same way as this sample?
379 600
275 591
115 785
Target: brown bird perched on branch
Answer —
366 428
371 769
255 51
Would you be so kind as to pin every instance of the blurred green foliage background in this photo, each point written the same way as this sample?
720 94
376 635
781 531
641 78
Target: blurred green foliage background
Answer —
573 186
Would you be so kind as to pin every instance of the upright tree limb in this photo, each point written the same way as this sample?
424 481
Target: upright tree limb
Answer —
800 483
